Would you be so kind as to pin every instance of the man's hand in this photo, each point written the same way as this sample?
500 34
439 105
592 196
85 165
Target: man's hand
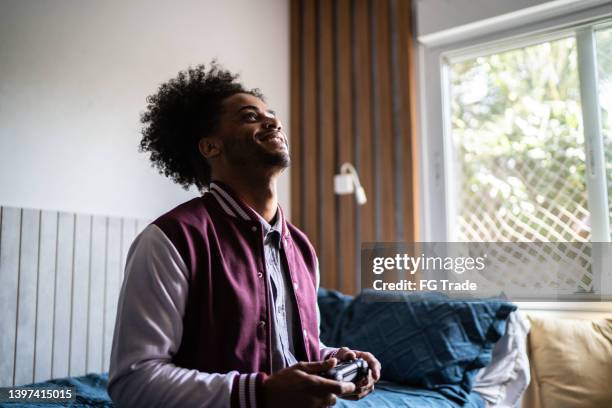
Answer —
299 386
366 385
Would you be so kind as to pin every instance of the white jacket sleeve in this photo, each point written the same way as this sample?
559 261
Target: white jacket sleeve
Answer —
148 332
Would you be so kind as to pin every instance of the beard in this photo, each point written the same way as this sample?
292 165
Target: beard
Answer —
251 154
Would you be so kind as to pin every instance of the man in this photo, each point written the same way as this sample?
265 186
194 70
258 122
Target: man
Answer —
219 299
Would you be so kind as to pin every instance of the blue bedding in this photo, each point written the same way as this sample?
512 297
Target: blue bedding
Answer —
391 395
430 349
91 392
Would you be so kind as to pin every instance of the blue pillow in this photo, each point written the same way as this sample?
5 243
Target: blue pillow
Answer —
426 339
332 305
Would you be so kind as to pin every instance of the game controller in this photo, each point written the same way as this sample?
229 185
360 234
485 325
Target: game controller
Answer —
348 371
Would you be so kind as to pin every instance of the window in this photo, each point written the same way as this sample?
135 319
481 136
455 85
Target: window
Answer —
516 132
519 168
519 160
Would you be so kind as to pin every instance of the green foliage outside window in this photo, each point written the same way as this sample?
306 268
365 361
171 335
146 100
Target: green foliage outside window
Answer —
520 168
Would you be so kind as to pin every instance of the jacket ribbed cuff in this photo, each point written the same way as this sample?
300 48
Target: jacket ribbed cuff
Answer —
247 391
329 352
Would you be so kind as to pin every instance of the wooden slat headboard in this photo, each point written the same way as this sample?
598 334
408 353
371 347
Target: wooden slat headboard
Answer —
60 277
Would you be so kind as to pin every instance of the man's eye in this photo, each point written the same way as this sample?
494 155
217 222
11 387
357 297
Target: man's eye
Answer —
250 116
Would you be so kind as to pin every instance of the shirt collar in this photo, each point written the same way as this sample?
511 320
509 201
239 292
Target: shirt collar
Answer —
276 226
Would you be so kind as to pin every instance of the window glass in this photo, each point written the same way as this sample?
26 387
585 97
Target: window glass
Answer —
518 166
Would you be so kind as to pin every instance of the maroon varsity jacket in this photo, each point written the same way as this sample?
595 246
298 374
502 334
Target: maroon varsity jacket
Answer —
226 322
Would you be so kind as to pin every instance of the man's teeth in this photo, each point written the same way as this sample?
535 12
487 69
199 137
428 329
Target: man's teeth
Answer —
271 137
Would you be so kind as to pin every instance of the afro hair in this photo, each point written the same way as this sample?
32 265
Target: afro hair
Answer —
184 110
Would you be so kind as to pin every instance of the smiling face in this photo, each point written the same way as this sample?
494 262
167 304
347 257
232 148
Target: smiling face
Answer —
249 134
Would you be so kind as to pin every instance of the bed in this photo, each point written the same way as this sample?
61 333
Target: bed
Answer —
90 391
449 343
61 275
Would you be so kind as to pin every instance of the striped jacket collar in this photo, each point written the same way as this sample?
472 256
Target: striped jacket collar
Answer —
235 207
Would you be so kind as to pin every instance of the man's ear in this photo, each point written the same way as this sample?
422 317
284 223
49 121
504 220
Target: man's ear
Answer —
209 147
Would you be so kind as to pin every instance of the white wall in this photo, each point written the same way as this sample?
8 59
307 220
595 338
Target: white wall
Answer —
74 75
438 15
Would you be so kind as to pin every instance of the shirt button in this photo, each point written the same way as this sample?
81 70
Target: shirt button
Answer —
259 275
254 229
261 324
295 285
305 333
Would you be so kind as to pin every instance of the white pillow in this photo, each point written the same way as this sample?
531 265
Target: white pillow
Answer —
503 381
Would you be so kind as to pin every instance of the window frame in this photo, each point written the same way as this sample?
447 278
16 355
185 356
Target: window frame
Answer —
434 51
434 55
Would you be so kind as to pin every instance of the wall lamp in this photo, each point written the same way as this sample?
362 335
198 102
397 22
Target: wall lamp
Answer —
347 182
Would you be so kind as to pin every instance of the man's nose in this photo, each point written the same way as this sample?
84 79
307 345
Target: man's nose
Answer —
272 123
